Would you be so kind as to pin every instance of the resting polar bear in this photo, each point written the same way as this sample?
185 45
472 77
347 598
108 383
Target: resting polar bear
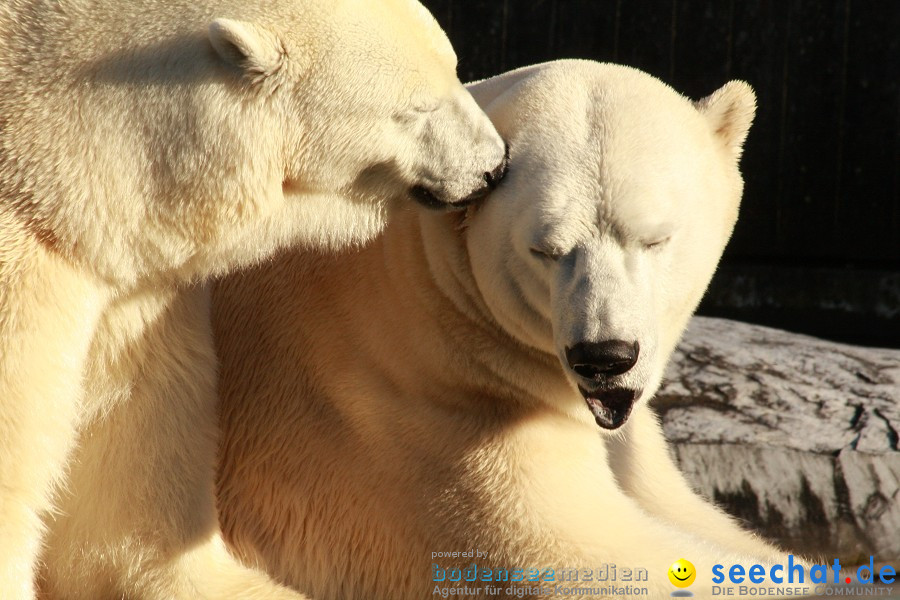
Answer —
422 395
145 145
441 389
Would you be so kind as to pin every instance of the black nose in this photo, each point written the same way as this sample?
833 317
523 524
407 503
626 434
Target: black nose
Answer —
493 178
596 360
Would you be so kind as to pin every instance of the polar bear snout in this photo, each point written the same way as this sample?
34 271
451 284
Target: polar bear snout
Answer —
460 157
596 364
598 361
440 199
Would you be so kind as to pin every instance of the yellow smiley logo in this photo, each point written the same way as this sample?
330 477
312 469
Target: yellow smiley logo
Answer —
682 573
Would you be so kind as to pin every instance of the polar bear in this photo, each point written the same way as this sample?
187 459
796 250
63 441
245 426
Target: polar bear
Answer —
479 383
145 146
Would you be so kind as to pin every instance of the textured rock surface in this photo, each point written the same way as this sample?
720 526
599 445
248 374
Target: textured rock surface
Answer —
795 435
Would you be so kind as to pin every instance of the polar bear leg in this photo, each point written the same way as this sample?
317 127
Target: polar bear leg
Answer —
47 313
643 449
629 536
140 521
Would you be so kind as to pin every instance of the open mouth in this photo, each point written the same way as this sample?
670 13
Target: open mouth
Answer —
610 408
426 197
429 199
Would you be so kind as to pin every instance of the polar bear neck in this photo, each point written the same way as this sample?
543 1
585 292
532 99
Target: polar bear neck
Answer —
429 253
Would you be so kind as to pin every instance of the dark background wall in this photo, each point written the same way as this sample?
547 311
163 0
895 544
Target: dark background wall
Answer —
817 246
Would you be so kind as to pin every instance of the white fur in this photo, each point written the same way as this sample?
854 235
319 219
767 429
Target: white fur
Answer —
413 397
145 146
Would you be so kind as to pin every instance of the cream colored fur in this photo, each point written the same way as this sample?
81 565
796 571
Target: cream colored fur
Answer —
412 398
143 147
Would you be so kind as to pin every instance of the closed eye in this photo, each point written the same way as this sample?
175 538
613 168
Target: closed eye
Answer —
427 105
417 111
545 253
656 244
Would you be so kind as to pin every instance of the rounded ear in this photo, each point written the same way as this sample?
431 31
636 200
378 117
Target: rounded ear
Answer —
729 112
249 47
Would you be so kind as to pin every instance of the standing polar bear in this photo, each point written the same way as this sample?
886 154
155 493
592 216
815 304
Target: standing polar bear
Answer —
441 390
143 147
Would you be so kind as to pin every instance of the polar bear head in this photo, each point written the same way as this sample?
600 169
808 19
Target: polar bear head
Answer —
183 139
367 103
621 197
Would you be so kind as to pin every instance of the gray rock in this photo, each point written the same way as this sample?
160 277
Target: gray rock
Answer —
795 435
